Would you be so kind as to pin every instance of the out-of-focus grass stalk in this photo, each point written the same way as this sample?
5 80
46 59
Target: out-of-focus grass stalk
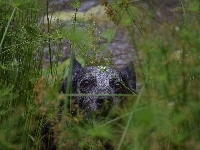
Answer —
69 85
49 39
129 119
6 29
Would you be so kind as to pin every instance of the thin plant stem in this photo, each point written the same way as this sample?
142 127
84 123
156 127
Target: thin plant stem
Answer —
69 86
8 24
49 39
129 120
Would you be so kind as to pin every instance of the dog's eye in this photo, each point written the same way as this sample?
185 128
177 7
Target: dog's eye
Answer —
117 85
85 83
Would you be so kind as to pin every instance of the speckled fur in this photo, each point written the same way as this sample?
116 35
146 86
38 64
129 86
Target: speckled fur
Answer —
98 82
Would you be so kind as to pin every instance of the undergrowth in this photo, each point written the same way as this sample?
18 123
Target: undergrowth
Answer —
164 114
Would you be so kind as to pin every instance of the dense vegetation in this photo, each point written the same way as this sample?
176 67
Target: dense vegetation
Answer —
164 115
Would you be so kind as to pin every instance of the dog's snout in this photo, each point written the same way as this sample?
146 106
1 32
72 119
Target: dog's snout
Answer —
103 100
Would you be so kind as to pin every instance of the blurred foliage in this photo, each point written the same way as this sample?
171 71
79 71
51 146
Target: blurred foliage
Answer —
164 115
19 71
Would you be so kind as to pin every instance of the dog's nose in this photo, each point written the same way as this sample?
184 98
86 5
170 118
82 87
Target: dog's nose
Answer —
103 101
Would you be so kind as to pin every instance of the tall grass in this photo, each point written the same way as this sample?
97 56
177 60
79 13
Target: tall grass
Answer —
164 115
19 71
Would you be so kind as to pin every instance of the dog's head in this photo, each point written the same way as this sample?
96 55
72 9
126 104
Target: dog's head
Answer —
100 84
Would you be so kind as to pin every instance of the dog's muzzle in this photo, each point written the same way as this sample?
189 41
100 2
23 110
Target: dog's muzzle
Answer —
104 101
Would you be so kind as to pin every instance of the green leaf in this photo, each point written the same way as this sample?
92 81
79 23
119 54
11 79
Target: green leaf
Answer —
109 34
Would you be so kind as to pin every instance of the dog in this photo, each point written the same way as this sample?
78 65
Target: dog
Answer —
98 89
100 85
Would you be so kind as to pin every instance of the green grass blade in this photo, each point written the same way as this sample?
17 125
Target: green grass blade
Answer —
129 120
4 34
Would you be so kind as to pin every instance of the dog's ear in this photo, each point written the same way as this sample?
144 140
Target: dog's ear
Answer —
128 77
75 71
